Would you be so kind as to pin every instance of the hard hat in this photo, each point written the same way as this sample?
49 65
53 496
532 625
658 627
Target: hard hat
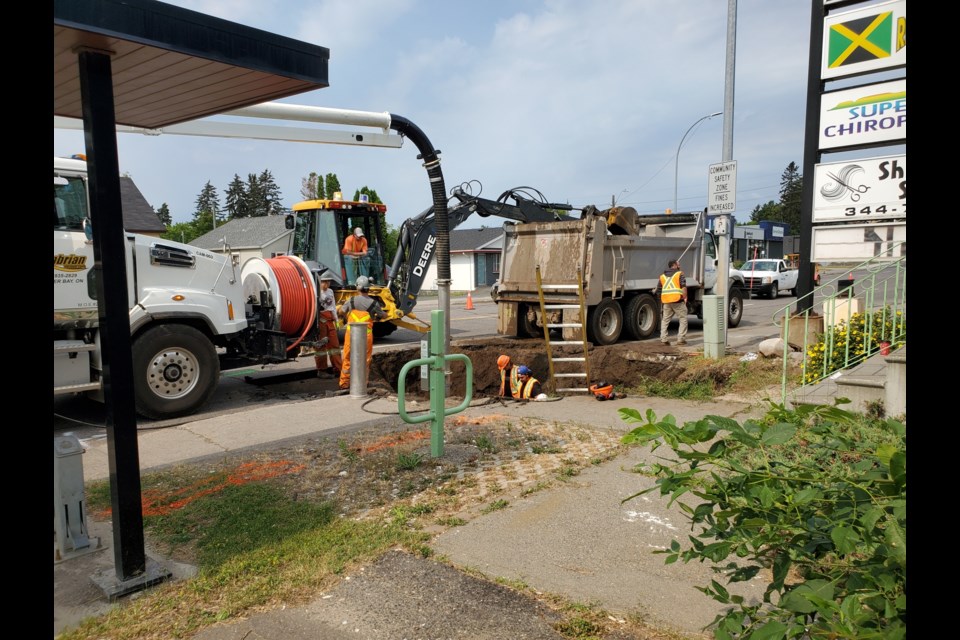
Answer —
358 232
326 275
523 370
503 362
363 282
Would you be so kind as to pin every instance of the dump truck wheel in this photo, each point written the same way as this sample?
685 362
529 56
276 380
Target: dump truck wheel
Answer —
605 322
643 316
175 371
528 328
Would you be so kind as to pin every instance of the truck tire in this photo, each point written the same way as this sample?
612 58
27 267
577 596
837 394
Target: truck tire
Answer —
528 328
175 371
642 316
383 329
734 307
774 291
605 322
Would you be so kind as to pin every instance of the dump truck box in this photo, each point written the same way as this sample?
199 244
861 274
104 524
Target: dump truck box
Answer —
617 266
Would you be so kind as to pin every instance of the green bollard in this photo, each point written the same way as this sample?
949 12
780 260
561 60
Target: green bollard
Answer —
437 362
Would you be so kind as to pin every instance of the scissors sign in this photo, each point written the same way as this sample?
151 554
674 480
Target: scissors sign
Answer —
854 192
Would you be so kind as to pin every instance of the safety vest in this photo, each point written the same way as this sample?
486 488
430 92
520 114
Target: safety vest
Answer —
514 382
356 315
670 290
526 389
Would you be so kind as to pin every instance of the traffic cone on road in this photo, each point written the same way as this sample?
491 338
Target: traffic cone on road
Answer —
469 302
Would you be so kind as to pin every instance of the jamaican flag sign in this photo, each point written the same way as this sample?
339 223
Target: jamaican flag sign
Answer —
865 40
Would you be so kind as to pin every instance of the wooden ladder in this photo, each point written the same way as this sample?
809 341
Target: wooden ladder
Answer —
583 370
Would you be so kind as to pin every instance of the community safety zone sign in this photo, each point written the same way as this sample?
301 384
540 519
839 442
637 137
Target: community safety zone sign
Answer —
865 40
860 190
865 115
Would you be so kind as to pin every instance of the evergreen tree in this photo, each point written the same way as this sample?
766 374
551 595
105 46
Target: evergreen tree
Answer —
791 188
236 199
207 212
256 202
163 213
309 188
272 198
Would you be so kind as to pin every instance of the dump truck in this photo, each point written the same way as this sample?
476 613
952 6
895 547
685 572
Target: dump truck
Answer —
618 255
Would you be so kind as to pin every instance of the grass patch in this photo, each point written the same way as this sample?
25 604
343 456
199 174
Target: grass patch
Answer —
408 461
496 505
253 547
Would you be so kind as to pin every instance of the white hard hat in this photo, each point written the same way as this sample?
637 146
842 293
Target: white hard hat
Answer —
358 231
326 275
363 282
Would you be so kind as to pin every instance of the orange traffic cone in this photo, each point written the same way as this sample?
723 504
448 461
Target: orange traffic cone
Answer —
469 302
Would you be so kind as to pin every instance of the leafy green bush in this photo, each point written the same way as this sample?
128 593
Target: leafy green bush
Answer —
815 494
848 343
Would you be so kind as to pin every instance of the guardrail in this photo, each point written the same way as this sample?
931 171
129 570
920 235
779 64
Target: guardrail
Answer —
850 328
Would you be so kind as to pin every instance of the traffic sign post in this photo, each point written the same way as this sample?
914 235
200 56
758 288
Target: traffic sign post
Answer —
721 201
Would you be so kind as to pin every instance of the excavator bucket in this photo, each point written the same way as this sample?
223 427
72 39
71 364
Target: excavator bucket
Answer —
622 221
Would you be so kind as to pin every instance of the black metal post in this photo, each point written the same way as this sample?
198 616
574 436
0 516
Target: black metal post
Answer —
100 137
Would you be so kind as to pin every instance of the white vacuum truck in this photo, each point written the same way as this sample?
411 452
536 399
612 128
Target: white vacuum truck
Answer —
192 312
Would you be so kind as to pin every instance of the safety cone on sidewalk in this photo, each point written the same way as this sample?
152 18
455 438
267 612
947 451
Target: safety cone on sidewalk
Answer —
469 302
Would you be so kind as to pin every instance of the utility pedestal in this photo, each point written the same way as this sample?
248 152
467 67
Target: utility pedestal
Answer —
69 506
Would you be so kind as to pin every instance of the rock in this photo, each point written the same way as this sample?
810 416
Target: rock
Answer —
771 348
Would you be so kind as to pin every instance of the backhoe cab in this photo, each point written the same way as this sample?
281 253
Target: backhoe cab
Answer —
320 229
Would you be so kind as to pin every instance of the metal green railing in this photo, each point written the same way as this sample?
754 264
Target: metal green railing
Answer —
844 335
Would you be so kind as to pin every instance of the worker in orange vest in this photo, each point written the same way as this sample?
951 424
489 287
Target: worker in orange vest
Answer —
509 379
673 296
355 255
359 308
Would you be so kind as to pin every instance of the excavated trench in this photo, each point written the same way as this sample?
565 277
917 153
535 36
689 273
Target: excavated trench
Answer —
620 364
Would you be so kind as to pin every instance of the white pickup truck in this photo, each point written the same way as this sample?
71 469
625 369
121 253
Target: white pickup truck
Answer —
769 276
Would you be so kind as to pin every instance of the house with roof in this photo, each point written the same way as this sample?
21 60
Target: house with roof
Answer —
138 215
474 260
245 238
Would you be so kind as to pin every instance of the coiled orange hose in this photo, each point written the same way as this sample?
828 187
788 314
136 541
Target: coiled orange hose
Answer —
298 308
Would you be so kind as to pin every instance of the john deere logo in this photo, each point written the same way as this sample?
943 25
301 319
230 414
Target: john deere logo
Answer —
70 263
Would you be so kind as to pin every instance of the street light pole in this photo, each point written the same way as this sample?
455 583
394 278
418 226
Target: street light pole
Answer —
676 163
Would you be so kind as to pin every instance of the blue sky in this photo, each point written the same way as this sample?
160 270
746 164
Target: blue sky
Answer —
584 101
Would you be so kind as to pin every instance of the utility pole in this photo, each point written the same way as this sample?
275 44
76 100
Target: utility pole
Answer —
723 264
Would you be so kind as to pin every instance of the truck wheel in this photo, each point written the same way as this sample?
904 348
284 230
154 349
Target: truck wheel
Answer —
643 316
774 291
604 322
175 371
528 327
383 329
735 307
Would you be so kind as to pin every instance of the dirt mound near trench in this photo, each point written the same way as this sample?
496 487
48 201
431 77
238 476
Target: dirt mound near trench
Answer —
621 364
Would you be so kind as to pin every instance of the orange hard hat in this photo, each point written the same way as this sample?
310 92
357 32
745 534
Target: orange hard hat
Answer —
503 362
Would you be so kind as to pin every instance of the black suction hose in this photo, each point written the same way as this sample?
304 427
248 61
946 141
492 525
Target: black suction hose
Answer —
431 161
